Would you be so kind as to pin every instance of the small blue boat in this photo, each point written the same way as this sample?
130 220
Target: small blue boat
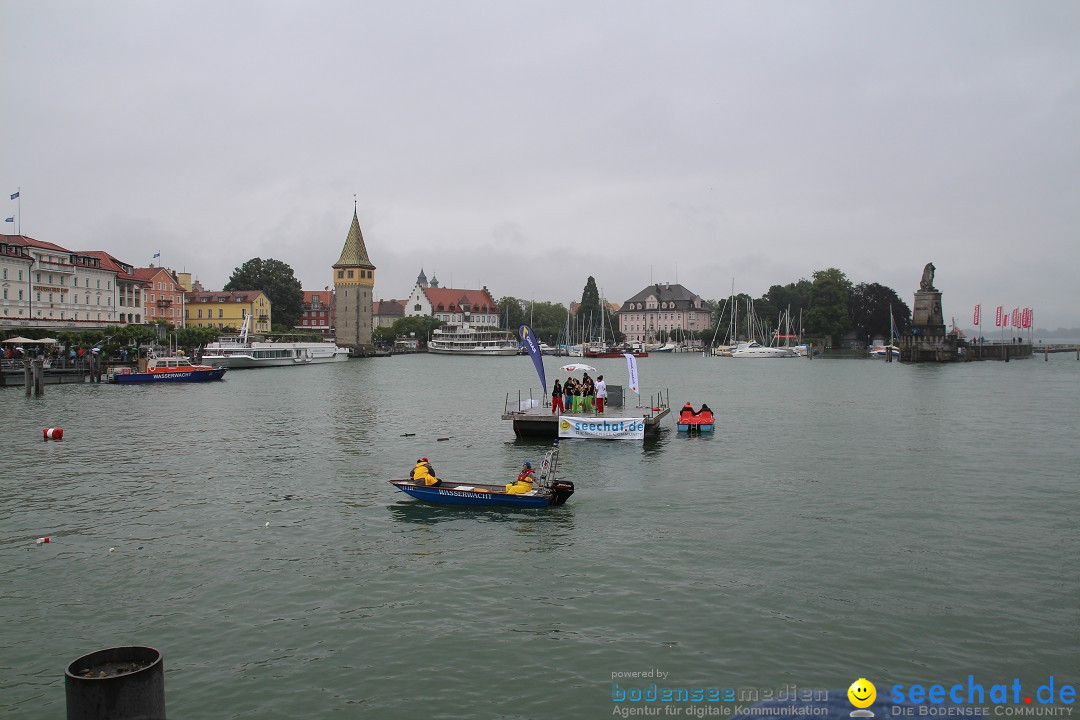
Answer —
548 490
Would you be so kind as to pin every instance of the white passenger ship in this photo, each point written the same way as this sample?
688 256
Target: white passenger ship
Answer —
467 340
236 351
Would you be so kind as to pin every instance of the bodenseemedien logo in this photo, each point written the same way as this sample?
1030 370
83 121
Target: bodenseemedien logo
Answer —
862 694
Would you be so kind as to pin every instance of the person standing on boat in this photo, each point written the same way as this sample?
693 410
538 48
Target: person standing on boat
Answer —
424 474
601 394
524 482
556 398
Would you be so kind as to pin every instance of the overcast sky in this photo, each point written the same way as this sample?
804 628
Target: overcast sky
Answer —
527 145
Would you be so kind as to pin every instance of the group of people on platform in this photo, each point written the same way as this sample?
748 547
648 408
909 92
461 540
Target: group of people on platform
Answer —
575 396
424 474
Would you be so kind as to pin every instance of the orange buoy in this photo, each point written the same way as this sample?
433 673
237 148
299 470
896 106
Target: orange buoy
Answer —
53 433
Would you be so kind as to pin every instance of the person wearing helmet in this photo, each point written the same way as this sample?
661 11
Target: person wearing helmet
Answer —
424 474
524 482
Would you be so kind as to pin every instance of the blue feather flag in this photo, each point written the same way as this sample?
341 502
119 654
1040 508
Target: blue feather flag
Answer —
528 339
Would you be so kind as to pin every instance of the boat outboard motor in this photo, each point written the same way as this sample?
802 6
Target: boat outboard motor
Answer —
561 490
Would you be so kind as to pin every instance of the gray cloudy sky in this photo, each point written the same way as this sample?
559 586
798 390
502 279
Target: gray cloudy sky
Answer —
527 145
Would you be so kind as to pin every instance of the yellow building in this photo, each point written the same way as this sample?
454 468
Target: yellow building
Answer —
227 309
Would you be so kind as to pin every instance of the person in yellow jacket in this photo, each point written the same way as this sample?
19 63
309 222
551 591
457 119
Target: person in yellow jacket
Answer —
424 474
524 482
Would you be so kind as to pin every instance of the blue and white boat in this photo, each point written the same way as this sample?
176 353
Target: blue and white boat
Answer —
548 491
167 369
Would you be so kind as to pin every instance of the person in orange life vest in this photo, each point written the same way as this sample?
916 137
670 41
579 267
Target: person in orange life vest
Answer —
424 474
687 411
524 482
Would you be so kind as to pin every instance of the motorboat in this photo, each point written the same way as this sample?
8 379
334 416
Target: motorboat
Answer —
884 351
757 350
167 369
548 491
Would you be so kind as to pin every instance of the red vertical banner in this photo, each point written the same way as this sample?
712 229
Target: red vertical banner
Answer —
1026 320
997 322
978 314
1016 317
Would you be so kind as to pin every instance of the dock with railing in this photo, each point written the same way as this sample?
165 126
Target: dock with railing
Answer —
531 415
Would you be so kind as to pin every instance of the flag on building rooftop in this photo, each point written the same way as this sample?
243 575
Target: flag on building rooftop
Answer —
14 194
10 219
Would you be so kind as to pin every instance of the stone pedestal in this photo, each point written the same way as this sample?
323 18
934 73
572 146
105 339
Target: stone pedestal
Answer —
928 341
927 312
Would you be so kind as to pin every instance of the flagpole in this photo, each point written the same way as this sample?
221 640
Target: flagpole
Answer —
18 210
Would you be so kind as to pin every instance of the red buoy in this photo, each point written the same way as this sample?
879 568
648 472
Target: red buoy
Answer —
53 433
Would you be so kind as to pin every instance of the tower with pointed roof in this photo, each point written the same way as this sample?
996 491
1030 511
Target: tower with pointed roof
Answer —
354 279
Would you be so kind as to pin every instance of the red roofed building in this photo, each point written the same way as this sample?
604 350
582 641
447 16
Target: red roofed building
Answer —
45 285
163 295
453 305
129 287
318 313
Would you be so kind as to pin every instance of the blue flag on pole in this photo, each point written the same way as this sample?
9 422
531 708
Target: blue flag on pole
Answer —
157 254
10 219
528 339
14 194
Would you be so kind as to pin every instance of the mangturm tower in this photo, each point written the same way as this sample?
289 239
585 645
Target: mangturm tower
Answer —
354 278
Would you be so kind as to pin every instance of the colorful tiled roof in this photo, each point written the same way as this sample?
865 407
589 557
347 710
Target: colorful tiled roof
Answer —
354 253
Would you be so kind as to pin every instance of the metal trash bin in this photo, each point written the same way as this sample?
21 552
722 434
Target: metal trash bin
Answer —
615 396
120 683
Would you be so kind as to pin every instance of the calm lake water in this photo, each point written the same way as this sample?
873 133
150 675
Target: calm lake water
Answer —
850 518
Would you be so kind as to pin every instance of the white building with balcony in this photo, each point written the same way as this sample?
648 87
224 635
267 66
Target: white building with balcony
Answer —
45 285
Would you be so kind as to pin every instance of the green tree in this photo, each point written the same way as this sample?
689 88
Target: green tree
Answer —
589 309
870 305
277 281
513 312
828 315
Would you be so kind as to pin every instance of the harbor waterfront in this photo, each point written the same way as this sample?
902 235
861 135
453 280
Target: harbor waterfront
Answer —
908 524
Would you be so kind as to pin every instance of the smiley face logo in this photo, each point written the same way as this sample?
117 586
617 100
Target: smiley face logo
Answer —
862 693
564 424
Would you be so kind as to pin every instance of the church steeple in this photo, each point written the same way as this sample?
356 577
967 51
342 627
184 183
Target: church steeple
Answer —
421 279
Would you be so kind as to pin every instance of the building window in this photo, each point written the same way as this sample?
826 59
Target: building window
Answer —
340 274
350 274
220 313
